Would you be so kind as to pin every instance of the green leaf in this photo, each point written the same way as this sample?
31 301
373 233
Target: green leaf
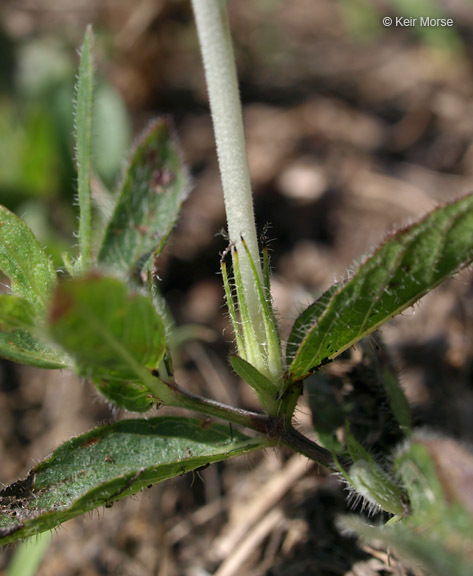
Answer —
266 390
15 313
299 330
84 120
438 473
370 480
110 463
110 333
397 400
155 186
437 530
328 412
112 133
21 346
355 449
409 264
17 321
252 376
366 392
424 546
32 279
31 272
129 395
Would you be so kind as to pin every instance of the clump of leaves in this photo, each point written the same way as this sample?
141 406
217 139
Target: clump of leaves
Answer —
437 529
104 320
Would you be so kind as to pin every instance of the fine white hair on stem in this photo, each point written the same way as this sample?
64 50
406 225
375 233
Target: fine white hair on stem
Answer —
220 72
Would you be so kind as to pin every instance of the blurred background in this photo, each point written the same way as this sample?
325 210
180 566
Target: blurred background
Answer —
353 128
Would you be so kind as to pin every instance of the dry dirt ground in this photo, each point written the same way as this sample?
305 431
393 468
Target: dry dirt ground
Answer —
350 133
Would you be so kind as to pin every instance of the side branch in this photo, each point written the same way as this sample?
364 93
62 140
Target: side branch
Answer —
275 429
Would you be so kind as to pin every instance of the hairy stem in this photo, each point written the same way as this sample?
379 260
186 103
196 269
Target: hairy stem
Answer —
292 438
217 54
178 396
83 125
276 430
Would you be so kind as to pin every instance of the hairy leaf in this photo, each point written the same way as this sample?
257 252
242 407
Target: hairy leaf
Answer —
110 333
132 396
110 463
431 549
327 410
21 346
370 480
366 393
253 377
15 313
84 118
411 262
397 400
17 321
31 272
437 529
155 186
32 280
438 473
299 330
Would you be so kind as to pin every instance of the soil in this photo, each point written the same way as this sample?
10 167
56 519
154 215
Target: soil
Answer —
351 131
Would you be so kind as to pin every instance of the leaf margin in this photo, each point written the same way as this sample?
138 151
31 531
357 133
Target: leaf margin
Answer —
299 368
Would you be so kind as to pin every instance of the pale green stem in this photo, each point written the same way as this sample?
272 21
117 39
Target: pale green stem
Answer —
29 555
217 54
83 120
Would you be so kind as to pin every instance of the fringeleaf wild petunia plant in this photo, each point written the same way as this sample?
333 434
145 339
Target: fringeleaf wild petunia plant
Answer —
105 319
